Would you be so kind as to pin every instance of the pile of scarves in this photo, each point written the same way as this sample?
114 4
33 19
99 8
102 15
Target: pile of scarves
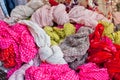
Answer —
59 41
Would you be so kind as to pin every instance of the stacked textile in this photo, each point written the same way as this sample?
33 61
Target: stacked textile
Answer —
60 40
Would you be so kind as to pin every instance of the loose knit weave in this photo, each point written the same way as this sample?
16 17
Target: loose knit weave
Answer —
75 47
19 41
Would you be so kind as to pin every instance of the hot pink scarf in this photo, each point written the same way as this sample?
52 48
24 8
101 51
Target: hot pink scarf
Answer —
22 41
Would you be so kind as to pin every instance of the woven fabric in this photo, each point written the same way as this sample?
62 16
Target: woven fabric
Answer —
80 14
51 72
23 44
91 71
22 12
43 16
60 15
75 47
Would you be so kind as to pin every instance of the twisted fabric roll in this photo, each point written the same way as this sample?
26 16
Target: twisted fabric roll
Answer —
75 47
21 12
60 15
43 16
104 53
24 11
52 55
89 18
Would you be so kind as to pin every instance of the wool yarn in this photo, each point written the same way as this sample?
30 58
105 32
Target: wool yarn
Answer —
58 34
75 47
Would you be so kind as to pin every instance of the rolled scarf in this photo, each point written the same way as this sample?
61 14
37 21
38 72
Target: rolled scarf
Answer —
101 48
75 47
3 75
60 15
91 71
104 53
79 14
47 53
22 12
51 72
20 73
43 16
16 44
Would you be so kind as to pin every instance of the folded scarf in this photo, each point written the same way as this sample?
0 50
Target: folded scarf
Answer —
51 72
43 16
89 18
47 53
22 12
104 53
91 71
16 44
75 47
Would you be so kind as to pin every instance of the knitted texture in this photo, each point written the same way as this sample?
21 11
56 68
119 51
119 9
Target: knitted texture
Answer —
51 72
91 71
75 47
16 43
